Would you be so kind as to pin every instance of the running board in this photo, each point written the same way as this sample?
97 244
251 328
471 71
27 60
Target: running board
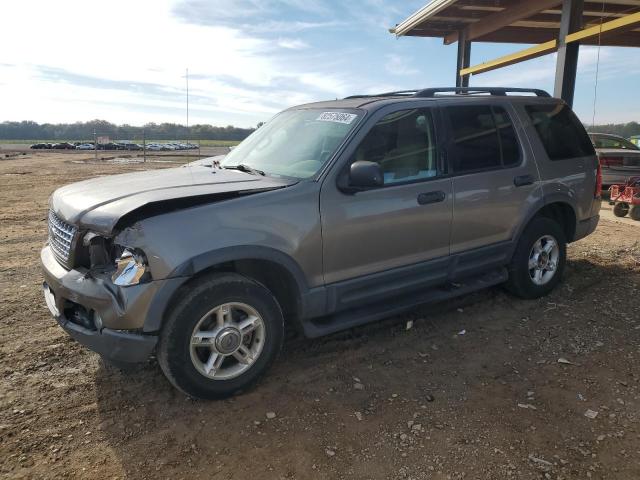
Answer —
354 317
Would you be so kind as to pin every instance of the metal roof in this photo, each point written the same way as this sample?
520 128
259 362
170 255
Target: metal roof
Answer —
517 21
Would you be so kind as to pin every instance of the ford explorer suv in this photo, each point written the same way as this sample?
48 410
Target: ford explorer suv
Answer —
331 215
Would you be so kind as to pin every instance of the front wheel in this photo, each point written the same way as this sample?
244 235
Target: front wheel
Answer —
634 213
539 259
221 336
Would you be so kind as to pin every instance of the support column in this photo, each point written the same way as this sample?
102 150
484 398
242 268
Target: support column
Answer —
567 64
464 59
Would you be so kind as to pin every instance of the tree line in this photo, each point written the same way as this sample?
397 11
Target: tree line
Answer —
625 130
29 130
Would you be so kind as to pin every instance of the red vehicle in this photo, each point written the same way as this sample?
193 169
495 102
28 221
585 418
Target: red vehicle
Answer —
626 198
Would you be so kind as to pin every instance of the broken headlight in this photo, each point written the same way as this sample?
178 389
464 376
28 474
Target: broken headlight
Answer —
131 268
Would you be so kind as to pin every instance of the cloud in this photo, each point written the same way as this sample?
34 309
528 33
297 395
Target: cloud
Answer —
292 43
237 13
399 65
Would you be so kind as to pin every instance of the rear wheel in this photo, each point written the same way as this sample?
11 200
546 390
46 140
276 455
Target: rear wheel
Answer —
221 337
538 261
635 212
621 209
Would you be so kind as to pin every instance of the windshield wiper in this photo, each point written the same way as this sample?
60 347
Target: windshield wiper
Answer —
244 168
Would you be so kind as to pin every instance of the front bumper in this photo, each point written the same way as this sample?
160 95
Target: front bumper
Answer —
114 315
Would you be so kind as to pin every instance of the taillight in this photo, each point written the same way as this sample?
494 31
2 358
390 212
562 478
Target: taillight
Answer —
611 161
598 192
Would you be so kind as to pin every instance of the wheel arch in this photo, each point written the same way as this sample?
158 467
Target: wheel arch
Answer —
277 271
560 210
562 213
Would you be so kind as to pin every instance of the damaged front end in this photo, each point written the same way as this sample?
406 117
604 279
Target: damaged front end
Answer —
126 266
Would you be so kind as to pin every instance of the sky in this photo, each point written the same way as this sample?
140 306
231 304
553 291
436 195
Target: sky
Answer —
125 61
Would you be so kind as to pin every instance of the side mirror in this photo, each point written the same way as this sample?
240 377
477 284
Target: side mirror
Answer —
365 174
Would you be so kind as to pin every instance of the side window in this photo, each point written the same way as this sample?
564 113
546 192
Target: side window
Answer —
508 138
483 138
403 144
475 139
560 131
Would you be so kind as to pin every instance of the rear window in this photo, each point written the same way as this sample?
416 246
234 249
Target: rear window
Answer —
483 138
560 131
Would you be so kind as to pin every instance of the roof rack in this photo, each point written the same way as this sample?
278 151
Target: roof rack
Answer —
500 91
431 92
399 93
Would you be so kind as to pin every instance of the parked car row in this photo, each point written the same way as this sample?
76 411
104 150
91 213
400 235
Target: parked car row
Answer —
170 146
113 146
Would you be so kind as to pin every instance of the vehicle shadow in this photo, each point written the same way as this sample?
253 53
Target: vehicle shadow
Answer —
155 430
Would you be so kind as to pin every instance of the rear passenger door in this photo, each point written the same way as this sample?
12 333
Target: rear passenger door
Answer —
494 178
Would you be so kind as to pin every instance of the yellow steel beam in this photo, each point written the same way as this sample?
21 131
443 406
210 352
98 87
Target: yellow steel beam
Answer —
522 55
626 21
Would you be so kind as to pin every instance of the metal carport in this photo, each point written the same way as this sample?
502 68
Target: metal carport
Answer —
552 25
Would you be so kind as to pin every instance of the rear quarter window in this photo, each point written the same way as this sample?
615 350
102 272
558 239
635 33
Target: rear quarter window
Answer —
560 131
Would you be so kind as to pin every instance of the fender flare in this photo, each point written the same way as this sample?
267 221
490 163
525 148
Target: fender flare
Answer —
539 205
187 270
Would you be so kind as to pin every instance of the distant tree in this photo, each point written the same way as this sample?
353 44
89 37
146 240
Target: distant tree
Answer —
29 130
625 130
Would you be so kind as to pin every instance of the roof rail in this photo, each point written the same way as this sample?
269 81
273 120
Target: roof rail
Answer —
431 92
399 93
500 91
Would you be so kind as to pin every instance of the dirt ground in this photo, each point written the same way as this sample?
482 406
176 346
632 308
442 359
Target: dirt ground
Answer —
484 387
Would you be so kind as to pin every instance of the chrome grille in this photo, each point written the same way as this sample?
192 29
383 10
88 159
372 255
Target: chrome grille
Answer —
60 237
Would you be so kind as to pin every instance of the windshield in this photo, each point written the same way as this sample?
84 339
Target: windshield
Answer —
612 142
294 143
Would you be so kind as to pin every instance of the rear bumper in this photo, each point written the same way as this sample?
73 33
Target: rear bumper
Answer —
586 227
613 177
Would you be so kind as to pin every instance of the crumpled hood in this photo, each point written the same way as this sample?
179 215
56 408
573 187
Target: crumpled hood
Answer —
97 204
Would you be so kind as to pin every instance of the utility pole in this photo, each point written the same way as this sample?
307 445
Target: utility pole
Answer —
95 145
144 147
187 77
188 136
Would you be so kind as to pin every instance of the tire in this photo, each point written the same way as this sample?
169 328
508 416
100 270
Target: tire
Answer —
634 212
521 278
220 303
621 209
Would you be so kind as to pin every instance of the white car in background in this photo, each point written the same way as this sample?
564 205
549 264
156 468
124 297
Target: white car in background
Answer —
85 146
619 158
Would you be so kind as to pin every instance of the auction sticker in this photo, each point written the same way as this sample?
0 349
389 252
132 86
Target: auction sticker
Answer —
338 117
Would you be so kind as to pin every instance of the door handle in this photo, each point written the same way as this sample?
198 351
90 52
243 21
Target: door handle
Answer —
522 180
431 197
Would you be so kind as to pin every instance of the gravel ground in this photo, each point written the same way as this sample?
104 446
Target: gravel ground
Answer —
484 387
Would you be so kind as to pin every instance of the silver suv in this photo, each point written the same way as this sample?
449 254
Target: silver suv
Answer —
331 215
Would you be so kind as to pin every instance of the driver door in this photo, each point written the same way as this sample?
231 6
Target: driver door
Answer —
395 236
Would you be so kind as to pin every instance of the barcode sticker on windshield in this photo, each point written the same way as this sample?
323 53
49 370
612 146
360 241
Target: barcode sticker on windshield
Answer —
338 117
